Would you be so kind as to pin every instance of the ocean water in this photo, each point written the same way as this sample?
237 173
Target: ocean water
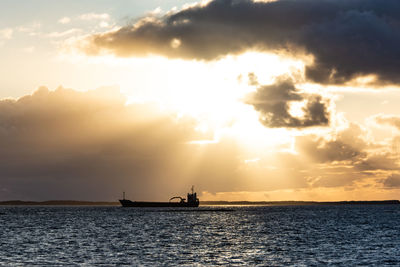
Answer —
362 235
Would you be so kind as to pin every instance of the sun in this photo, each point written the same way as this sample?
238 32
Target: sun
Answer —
213 93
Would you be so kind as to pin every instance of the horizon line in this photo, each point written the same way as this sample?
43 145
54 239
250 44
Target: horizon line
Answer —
205 202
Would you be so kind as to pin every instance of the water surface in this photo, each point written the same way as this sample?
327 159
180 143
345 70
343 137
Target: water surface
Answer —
272 235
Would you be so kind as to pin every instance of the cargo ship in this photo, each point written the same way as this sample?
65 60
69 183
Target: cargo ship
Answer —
191 202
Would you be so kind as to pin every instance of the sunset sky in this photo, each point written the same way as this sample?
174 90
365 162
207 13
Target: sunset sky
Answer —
246 100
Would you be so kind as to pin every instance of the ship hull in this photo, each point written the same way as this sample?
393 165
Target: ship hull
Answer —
142 204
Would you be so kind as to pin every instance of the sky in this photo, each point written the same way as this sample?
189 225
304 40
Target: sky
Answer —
245 100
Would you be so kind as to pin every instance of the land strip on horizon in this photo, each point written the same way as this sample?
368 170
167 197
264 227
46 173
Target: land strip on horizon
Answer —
202 203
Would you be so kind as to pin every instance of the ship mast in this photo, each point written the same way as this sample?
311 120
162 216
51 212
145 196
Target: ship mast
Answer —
192 189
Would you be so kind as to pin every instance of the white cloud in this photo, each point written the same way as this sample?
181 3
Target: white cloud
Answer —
6 33
156 11
94 16
64 20
104 24
31 29
29 49
64 33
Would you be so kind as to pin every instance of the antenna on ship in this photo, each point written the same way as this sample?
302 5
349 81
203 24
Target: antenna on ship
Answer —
192 189
123 195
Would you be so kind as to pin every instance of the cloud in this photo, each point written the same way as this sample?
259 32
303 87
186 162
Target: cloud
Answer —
64 20
347 146
104 24
347 38
350 146
29 49
392 181
64 33
65 144
379 161
273 104
6 33
345 159
391 120
31 29
94 16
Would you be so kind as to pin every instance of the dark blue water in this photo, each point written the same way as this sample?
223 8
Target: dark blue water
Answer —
114 236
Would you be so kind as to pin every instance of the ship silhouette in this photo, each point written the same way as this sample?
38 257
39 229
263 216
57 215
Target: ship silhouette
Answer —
192 202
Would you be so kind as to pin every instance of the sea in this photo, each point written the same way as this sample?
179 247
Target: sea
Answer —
330 235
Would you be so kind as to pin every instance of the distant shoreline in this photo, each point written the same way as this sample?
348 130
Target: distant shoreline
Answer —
299 203
202 203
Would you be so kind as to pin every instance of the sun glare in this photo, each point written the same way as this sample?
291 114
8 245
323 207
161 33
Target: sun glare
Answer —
213 92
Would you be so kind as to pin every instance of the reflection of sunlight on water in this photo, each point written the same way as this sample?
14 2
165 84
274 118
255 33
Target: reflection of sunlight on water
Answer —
248 235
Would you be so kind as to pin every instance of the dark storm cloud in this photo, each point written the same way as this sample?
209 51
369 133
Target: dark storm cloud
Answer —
66 144
347 38
273 104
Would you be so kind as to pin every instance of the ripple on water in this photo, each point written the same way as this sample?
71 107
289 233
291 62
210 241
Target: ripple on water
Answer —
273 235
